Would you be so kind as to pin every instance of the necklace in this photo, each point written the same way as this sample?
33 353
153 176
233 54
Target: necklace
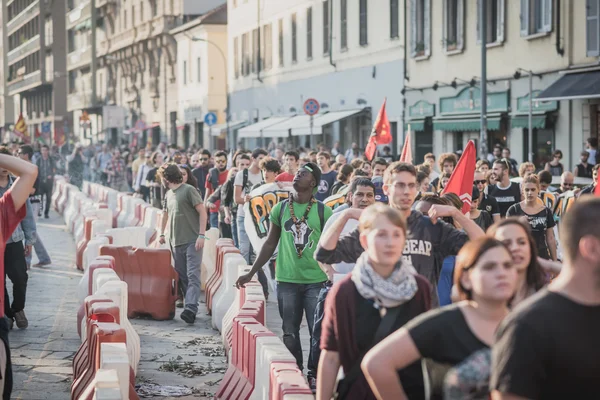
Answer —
299 223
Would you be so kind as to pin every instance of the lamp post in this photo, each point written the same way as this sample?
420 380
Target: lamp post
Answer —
529 111
227 111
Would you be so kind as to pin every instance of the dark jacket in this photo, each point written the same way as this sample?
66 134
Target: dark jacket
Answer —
53 170
200 174
426 247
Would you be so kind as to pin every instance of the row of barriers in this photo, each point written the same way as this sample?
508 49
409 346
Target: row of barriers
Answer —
128 273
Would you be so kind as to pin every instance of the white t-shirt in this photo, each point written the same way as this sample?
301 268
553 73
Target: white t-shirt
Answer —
253 179
342 268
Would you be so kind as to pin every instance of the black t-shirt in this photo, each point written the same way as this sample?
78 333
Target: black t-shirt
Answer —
458 363
539 223
547 348
505 197
484 220
490 205
327 181
151 177
584 171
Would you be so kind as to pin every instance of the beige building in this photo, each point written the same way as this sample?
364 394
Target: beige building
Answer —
556 40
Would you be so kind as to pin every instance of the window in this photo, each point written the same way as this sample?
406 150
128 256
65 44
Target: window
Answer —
453 25
343 24
154 7
394 20
199 67
236 58
280 40
362 22
294 32
124 19
255 49
592 28
536 17
309 34
494 21
132 16
420 29
142 11
185 72
245 55
326 27
267 47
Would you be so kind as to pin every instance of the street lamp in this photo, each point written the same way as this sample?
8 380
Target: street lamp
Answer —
227 111
517 75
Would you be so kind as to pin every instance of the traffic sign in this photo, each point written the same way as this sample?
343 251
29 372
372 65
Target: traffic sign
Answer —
311 106
210 119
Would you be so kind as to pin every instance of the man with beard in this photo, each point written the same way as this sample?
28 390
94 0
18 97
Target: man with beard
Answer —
360 196
216 177
431 240
200 170
296 226
505 192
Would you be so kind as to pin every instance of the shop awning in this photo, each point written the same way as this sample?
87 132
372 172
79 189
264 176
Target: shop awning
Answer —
416 125
322 120
219 129
283 129
583 85
522 121
258 129
465 124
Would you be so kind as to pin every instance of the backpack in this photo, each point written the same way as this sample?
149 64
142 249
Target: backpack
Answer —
320 209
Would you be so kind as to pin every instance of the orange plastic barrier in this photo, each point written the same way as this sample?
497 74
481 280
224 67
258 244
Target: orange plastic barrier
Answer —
215 281
81 246
151 281
287 379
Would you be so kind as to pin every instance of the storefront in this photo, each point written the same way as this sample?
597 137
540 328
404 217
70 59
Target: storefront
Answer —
420 117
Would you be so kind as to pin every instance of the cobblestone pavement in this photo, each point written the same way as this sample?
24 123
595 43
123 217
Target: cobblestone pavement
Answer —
172 352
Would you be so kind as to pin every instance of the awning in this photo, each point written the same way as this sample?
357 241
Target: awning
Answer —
283 129
415 125
258 129
583 85
465 124
321 120
219 129
522 121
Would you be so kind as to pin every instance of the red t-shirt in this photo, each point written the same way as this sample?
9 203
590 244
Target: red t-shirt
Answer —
9 219
285 177
210 189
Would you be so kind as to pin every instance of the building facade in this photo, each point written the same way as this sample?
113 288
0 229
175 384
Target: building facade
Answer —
549 39
346 54
34 66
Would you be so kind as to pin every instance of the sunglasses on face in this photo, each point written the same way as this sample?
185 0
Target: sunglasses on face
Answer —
568 184
481 182
204 159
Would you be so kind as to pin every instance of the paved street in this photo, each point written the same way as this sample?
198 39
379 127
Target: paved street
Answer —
173 353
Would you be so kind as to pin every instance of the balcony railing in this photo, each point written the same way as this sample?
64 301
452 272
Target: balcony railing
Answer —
102 3
25 15
79 14
28 81
79 58
80 100
22 51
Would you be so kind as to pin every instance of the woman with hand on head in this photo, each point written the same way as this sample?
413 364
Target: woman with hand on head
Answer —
455 341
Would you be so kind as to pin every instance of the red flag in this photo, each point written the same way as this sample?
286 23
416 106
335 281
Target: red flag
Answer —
59 136
406 155
461 181
380 134
597 190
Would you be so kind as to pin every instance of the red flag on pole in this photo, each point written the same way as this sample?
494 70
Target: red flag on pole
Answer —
461 180
406 155
380 134
597 190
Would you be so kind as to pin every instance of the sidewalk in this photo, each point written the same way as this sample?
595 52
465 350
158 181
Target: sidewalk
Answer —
42 354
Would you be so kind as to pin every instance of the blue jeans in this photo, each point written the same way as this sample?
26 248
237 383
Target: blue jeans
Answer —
243 240
315 341
234 232
444 288
187 265
214 220
293 298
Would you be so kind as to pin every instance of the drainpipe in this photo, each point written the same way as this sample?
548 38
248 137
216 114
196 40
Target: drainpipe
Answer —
406 78
258 60
331 34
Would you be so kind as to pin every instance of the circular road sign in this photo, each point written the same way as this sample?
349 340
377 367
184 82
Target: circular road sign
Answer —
210 119
311 106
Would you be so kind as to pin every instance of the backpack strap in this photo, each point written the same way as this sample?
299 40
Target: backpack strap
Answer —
321 210
245 180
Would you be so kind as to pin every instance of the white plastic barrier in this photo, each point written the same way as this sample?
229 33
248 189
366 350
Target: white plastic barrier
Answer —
225 294
150 219
105 386
111 199
126 212
269 349
234 309
117 292
209 256
99 226
93 250
133 202
102 276
113 356
85 210
135 236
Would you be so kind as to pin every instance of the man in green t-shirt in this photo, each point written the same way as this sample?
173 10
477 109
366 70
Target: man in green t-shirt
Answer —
296 226
187 225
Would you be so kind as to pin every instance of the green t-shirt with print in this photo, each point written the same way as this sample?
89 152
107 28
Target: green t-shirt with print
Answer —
184 221
291 268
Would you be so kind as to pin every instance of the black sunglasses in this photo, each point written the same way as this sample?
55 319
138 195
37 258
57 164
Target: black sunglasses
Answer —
480 182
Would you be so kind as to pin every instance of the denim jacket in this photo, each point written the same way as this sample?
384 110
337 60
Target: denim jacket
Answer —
26 229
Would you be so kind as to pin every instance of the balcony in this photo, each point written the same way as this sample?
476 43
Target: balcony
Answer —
25 49
102 3
25 16
80 100
79 58
79 14
25 82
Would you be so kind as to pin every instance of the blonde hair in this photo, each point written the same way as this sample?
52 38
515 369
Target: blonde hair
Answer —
523 167
368 217
531 178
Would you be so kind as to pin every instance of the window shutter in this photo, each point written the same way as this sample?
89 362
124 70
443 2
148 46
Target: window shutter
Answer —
427 27
460 25
445 25
413 28
593 28
478 21
547 15
524 17
500 27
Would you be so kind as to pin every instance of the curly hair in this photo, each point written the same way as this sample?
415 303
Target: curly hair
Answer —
447 157
170 172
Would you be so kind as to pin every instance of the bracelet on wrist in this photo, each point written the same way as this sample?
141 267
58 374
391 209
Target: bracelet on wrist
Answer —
202 237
